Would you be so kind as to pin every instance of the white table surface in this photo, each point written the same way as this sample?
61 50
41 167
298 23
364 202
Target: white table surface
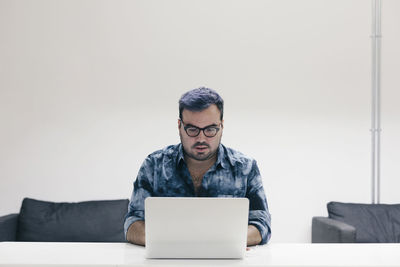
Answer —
121 254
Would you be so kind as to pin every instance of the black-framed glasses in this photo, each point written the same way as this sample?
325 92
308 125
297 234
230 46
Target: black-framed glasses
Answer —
193 131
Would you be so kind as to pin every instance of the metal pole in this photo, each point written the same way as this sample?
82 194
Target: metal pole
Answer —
375 123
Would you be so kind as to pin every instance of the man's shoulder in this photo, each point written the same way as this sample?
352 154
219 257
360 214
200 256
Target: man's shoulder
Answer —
169 151
236 157
240 162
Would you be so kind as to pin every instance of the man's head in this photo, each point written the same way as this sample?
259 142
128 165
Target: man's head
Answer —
200 123
199 99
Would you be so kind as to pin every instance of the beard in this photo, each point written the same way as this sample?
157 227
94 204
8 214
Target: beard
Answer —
200 156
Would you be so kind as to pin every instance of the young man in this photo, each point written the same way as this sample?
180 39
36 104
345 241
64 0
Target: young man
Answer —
200 166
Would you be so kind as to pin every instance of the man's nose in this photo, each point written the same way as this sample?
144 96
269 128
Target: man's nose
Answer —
201 136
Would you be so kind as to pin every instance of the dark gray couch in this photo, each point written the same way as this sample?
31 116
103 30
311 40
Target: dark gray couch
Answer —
89 221
358 223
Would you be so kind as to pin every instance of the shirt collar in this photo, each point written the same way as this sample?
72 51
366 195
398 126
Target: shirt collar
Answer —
180 157
221 158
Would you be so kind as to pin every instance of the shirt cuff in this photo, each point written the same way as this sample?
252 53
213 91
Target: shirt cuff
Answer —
260 220
129 221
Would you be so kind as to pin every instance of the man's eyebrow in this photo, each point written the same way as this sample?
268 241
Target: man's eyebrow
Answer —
211 125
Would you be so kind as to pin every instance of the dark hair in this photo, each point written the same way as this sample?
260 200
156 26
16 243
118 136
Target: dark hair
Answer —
199 99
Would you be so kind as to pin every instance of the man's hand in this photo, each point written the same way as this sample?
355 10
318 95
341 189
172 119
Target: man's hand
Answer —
136 233
253 236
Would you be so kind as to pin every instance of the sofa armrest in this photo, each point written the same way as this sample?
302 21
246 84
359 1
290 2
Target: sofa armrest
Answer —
326 230
8 227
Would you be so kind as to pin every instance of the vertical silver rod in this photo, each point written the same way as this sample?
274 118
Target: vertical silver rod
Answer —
375 122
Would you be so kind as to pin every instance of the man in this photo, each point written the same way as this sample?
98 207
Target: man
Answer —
200 166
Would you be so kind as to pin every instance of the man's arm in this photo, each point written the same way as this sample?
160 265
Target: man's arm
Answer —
134 219
253 236
259 216
136 233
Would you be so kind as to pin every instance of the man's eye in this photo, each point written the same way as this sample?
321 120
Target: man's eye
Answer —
192 129
210 129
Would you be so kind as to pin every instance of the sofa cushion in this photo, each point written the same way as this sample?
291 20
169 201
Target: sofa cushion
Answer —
8 227
374 223
90 221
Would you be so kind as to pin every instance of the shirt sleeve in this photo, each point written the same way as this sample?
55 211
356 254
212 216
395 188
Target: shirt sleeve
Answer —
259 215
142 188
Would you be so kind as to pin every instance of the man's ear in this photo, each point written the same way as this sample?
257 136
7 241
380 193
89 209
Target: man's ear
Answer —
179 123
222 124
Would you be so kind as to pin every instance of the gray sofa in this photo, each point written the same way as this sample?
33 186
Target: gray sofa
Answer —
89 221
358 223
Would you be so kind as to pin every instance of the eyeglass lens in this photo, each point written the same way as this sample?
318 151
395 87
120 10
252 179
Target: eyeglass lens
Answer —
194 131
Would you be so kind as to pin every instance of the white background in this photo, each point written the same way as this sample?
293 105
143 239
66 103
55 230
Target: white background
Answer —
89 88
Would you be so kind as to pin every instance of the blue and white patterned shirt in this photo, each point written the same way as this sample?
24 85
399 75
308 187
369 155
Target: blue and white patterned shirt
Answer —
164 173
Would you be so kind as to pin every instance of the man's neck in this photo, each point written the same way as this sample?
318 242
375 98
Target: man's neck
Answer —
201 166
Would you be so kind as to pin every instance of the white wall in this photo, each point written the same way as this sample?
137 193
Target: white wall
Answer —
89 88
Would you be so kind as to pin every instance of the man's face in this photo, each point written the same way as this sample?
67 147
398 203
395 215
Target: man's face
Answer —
201 147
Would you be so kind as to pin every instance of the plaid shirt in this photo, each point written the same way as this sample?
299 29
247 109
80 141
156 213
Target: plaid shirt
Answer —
164 173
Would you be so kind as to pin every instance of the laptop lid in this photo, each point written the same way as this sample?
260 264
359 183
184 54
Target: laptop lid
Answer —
196 227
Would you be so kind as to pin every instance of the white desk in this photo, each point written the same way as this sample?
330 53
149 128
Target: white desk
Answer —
120 254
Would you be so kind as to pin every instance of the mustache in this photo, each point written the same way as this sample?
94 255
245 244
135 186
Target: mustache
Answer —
200 144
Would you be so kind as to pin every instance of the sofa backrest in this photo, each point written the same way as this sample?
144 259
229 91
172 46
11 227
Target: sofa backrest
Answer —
89 221
374 223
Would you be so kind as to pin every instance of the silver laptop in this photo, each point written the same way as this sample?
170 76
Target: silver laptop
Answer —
196 227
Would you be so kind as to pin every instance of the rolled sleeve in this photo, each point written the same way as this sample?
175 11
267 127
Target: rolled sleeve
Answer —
142 188
261 220
129 220
259 215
